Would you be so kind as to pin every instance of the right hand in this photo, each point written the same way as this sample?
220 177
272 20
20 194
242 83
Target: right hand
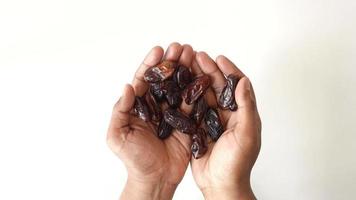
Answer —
155 167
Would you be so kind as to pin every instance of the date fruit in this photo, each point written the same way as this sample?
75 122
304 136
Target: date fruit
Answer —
196 89
199 110
160 72
164 130
156 91
199 143
154 108
213 124
227 96
141 109
179 121
182 76
172 93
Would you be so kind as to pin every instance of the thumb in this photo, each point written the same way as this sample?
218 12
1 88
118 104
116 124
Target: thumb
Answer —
245 100
119 125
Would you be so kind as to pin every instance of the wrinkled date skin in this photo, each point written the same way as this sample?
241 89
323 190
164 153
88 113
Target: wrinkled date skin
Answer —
213 124
199 110
164 130
199 143
141 109
179 121
161 72
196 89
227 96
154 108
172 93
157 91
182 76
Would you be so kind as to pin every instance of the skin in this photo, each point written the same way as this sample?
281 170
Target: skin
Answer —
155 167
224 171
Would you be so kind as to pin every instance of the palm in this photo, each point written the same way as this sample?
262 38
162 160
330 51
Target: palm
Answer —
146 156
224 158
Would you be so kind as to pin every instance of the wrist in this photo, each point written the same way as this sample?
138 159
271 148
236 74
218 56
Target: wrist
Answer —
155 190
227 192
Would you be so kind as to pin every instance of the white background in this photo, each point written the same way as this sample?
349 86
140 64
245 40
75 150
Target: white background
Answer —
64 63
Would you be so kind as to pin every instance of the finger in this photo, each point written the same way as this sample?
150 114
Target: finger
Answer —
209 67
227 67
119 125
209 95
151 59
196 71
173 52
246 112
186 58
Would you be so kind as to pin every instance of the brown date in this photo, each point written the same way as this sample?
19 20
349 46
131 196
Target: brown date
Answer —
179 121
213 124
141 109
160 72
199 143
182 76
199 110
154 108
227 96
156 91
172 93
164 130
196 89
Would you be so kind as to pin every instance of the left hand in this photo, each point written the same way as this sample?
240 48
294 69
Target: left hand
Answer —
224 171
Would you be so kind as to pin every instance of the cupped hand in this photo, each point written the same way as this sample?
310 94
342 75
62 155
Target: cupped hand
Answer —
155 167
224 171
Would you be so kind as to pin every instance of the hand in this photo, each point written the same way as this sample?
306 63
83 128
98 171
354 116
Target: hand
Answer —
224 171
155 167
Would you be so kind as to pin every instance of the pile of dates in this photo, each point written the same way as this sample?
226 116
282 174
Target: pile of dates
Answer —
169 84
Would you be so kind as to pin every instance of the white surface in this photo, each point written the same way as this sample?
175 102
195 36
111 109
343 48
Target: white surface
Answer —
63 64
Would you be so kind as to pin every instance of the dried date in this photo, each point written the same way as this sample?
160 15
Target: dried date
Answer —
156 91
196 89
227 96
160 72
213 123
199 110
199 143
172 93
164 130
154 108
141 109
182 76
179 121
